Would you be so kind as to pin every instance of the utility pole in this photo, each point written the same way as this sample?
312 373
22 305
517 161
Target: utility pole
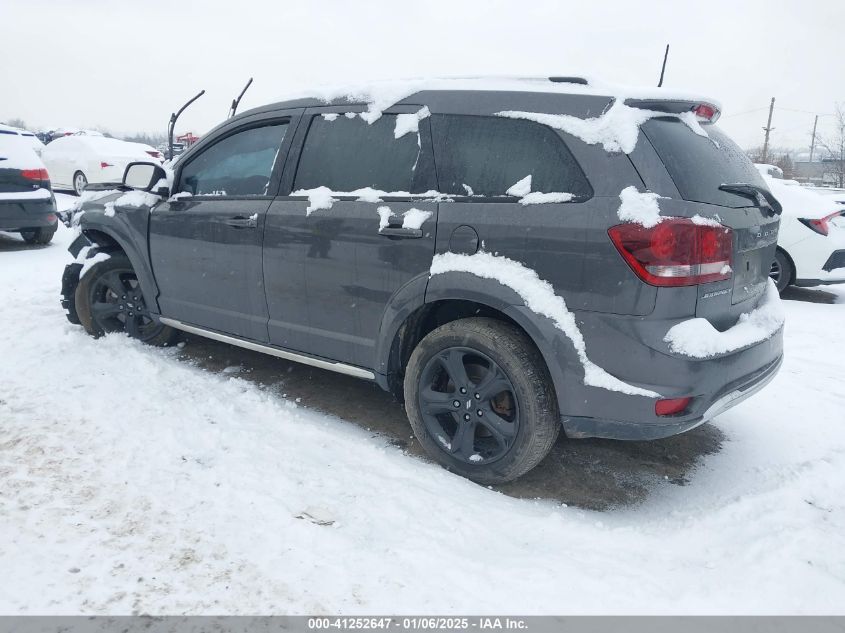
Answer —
813 142
768 129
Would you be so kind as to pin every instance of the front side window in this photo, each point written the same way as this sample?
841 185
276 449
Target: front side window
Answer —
238 165
346 153
483 155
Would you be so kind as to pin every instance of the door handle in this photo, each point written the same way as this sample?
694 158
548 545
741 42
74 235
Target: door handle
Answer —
399 232
240 222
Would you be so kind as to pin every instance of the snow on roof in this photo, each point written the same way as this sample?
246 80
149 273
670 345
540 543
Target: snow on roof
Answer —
103 145
378 96
16 152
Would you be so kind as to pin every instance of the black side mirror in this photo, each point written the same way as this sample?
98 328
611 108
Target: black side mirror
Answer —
145 177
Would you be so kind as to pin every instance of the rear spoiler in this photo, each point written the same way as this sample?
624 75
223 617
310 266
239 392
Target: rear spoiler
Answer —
705 111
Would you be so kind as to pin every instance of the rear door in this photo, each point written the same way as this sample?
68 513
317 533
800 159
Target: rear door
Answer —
205 242
480 161
331 270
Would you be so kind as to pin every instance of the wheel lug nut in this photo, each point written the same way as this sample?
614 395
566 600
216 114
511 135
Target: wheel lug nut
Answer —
466 417
456 403
463 390
480 412
120 307
478 396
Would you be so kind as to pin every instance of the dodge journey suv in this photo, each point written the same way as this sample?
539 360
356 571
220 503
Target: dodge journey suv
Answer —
509 259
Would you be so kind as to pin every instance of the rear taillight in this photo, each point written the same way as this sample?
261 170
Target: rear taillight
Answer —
154 154
104 165
820 225
676 252
706 112
35 174
671 406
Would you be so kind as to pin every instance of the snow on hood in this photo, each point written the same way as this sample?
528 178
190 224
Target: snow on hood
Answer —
699 339
380 95
539 297
799 202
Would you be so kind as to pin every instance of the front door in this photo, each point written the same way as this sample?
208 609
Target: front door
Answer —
332 268
205 242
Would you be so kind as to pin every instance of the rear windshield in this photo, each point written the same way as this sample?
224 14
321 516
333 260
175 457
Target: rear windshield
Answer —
699 164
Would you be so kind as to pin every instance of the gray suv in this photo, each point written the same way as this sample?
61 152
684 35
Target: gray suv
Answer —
497 259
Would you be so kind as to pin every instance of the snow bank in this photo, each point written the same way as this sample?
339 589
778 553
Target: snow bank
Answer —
640 208
536 197
407 123
539 296
521 188
414 218
617 130
698 339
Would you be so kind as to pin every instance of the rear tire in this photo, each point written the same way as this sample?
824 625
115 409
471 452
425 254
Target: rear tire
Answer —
80 181
782 271
42 235
108 299
480 400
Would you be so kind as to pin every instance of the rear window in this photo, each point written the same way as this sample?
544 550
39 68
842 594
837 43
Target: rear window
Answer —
698 164
347 153
488 155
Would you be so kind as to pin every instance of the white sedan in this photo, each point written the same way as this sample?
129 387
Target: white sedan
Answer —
811 239
74 161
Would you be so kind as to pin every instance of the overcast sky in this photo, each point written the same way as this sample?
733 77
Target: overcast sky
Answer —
125 66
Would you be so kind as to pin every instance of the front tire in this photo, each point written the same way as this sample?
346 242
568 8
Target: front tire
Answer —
108 299
782 271
80 181
42 235
480 400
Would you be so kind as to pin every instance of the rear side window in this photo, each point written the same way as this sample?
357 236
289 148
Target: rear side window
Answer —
238 165
698 164
347 153
488 155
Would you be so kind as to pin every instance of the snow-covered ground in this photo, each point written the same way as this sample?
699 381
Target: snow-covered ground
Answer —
131 481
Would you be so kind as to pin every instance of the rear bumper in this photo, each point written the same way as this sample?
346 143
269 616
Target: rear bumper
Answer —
730 396
633 350
27 214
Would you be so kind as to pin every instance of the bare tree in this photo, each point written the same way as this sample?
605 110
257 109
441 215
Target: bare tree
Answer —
18 123
834 145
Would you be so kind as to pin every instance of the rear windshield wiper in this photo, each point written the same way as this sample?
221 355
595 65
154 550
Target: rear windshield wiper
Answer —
755 192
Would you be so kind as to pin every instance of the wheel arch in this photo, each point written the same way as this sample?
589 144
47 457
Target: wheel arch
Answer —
110 237
445 308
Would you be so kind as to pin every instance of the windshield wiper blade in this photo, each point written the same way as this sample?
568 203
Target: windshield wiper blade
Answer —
755 192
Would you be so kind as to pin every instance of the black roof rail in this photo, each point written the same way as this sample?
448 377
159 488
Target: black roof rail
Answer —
569 80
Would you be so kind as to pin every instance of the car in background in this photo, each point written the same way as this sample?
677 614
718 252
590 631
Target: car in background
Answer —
811 241
27 204
29 138
77 160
